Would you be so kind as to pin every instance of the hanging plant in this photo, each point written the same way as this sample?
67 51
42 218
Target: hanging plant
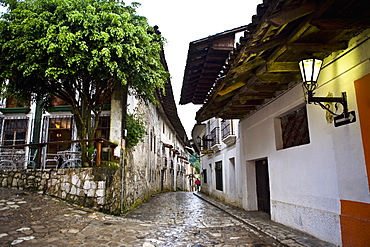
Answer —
136 129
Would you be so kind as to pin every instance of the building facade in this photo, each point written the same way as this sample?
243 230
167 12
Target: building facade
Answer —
317 173
158 163
217 141
304 166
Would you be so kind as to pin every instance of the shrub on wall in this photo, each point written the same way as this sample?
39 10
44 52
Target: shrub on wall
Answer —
136 130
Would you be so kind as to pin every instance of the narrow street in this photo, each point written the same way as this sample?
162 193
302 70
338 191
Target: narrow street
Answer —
169 219
186 220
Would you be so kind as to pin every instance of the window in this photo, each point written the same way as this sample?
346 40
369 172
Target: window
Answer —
55 101
13 102
219 180
215 136
155 143
153 139
294 128
15 131
59 130
103 128
60 123
226 128
207 143
205 176
2 102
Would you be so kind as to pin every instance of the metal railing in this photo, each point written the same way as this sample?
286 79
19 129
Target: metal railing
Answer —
215 136
40 158
226 128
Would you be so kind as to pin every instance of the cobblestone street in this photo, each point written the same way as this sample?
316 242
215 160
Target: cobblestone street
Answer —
170 219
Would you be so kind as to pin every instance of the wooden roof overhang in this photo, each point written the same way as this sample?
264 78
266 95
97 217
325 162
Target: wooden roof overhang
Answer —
206 57
166 100
265 61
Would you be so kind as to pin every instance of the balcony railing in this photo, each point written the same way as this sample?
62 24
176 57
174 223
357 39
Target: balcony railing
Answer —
226 129
215 136
39 157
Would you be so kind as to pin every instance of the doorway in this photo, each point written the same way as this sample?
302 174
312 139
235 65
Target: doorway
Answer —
162 179
232 180
263 186
59 130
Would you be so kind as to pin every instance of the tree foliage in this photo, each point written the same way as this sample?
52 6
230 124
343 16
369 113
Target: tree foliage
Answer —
136 129
195 161
79 51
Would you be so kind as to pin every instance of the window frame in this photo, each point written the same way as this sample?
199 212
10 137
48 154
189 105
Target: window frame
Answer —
292 128
219 176
15 131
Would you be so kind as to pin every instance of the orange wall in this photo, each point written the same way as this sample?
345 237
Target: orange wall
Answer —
355 216
362 87
355 224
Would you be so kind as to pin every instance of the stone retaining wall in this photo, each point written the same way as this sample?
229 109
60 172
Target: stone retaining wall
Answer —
97 188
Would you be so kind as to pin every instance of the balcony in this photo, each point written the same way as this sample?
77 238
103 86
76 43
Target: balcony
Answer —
16 157
215 137
227 132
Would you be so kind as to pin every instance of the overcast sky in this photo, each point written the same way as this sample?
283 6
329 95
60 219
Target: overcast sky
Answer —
182 22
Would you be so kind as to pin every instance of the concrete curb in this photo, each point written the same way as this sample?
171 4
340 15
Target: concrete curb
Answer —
285 235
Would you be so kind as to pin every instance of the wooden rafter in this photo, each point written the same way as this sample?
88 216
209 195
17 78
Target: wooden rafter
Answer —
291 14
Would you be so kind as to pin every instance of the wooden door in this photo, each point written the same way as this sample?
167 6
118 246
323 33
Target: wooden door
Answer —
263 186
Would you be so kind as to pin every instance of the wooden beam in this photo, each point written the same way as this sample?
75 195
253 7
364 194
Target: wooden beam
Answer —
263 95
249 65
288 15
317 47
269 88
234 83
224 97
341 23
279 77
232 116
250 102
240 108
274 67
266 45
231 88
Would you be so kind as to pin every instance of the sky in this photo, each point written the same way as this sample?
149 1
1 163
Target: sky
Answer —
182 22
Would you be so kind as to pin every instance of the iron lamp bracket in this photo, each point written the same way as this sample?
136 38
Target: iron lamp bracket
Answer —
342 100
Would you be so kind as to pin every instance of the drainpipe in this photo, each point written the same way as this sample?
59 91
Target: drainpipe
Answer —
175 172
123 144
118 132
36 129
123 149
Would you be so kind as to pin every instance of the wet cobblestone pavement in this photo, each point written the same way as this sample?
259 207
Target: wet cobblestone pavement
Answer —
169 219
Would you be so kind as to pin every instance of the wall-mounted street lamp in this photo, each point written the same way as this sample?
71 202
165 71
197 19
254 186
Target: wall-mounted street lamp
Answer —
203 141
310 70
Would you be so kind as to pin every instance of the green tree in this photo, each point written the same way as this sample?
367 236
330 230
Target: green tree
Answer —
194 160
81 52
136 130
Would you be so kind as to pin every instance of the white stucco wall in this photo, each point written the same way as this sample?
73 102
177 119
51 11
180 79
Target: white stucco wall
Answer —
308 181
230 162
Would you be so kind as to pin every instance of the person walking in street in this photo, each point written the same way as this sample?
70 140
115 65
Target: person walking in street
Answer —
197 183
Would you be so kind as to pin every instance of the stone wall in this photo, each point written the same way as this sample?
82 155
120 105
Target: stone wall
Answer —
97 188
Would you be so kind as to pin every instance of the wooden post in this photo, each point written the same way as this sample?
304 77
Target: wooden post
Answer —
111 154
98 152
39 150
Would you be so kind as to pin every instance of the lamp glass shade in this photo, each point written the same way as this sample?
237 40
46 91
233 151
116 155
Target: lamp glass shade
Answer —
310 69
199 140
